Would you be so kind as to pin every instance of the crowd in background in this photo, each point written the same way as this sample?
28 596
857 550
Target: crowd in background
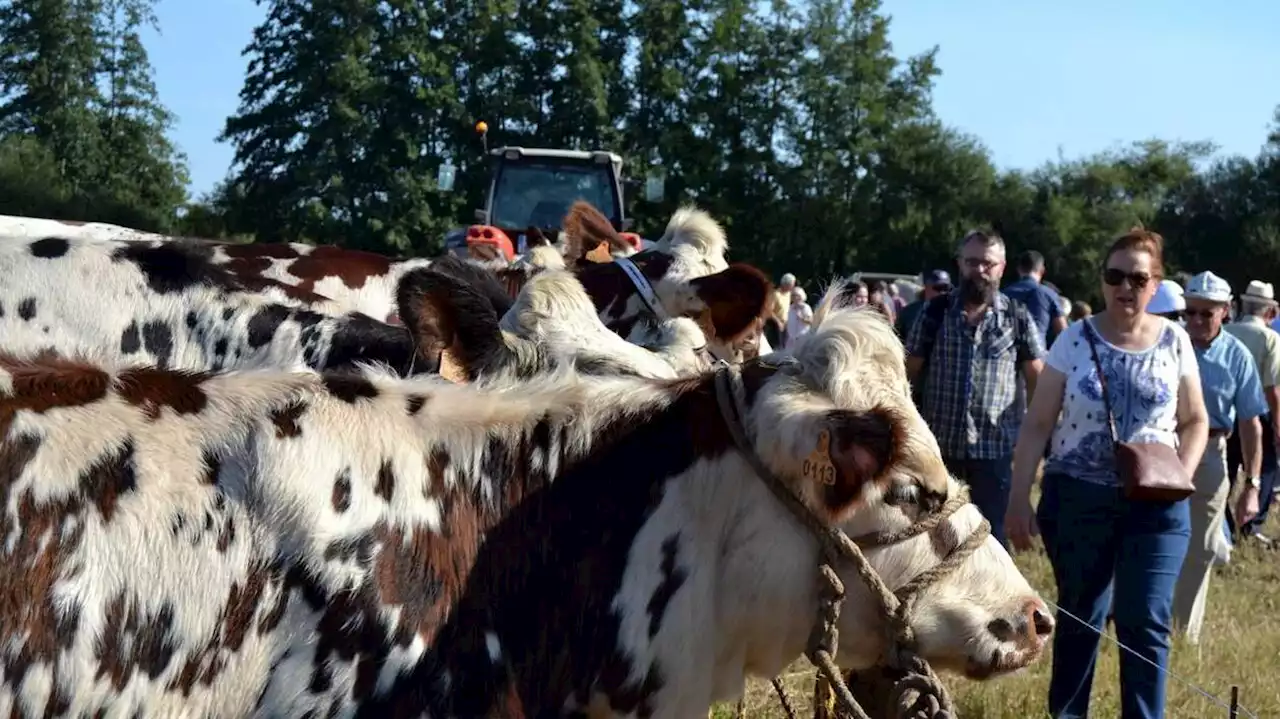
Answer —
1023 385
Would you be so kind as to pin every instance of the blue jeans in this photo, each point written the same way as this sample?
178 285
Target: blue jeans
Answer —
1092 534
989 481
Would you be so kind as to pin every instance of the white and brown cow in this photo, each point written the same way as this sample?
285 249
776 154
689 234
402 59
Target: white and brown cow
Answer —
686 270
684 274
163 303
334 280
267 543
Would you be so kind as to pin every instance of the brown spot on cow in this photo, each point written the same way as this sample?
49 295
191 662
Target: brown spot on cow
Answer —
133 640
352 267
33 565
342 491
49 382
609 286
386 484
414 404
349 387
673 577
107 479
154 389
243 603
286 419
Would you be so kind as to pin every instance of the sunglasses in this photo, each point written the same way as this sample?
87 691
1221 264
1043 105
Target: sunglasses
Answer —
1115 278
1203 314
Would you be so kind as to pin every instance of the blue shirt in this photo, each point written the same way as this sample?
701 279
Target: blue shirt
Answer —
970 377
1229 380
1041 302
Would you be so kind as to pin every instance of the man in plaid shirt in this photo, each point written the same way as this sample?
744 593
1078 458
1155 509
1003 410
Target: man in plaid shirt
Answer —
966 348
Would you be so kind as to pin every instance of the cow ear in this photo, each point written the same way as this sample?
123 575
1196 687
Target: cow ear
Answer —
589 236
454 326
736 297
852 453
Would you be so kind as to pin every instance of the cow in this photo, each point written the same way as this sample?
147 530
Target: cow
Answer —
673 273
683 274
551 323
163 303
335 280
274 543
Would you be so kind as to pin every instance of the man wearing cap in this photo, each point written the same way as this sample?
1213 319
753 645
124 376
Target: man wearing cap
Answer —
1168 301
1232 391
1257 308
936 282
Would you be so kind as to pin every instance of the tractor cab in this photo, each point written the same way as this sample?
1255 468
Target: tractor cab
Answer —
533 189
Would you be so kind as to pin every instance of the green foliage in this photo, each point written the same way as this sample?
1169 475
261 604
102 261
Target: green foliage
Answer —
793 122
82 130
344 116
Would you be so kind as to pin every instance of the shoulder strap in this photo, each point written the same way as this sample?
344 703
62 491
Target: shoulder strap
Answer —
1087 328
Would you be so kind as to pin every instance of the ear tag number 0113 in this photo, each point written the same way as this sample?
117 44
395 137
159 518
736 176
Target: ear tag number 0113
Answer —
818 466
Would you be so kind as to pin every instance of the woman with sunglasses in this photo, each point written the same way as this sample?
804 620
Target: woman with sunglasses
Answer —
1092 533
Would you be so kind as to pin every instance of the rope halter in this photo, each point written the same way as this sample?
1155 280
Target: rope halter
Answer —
919 694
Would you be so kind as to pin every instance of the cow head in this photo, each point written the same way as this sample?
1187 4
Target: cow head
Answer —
589 236
686 276
464 323
833 416
981 620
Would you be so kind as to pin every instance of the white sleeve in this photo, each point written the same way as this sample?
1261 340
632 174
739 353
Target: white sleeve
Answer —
1066 348
1188 365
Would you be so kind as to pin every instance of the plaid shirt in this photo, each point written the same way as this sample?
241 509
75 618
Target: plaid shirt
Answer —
970 377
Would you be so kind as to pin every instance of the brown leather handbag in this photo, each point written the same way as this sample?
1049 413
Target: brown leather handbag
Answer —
1150 471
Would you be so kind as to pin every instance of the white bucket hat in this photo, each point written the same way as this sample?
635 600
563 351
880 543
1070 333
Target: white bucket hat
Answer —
1168 298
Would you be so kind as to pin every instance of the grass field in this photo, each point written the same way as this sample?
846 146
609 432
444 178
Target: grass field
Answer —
1240 644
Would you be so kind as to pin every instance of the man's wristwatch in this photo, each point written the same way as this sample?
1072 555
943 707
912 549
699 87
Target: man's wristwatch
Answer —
1255 482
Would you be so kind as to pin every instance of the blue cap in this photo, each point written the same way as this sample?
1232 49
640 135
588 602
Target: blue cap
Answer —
937 277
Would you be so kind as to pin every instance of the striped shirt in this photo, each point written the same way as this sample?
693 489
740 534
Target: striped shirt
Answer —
970 379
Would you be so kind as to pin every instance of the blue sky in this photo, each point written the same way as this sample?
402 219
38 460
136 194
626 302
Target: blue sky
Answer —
1029 79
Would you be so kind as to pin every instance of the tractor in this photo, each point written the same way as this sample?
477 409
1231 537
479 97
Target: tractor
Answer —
532 189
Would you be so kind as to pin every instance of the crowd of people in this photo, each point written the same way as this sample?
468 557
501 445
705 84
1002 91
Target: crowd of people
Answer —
1023 385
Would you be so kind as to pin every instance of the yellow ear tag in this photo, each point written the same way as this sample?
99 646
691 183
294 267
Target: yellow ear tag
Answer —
818 466
600 254
450 369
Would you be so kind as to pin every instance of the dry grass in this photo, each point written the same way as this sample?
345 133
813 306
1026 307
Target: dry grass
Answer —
1240 644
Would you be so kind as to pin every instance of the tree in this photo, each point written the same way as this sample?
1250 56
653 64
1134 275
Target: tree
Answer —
140 167
852 95
345 114
79 102
48 90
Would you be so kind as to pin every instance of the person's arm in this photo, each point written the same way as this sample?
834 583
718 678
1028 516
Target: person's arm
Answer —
1057 319
1037 427
1251 446
1031 349
1269 373
1250 404
1057 326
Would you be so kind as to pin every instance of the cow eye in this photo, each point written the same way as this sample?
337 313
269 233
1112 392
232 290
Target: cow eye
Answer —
901 494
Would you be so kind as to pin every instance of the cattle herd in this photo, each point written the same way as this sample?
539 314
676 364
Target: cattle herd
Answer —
294 481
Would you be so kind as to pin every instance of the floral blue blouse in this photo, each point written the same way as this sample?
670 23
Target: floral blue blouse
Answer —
1143 388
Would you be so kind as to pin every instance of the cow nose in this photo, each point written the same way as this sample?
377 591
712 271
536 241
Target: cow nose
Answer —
1039 618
